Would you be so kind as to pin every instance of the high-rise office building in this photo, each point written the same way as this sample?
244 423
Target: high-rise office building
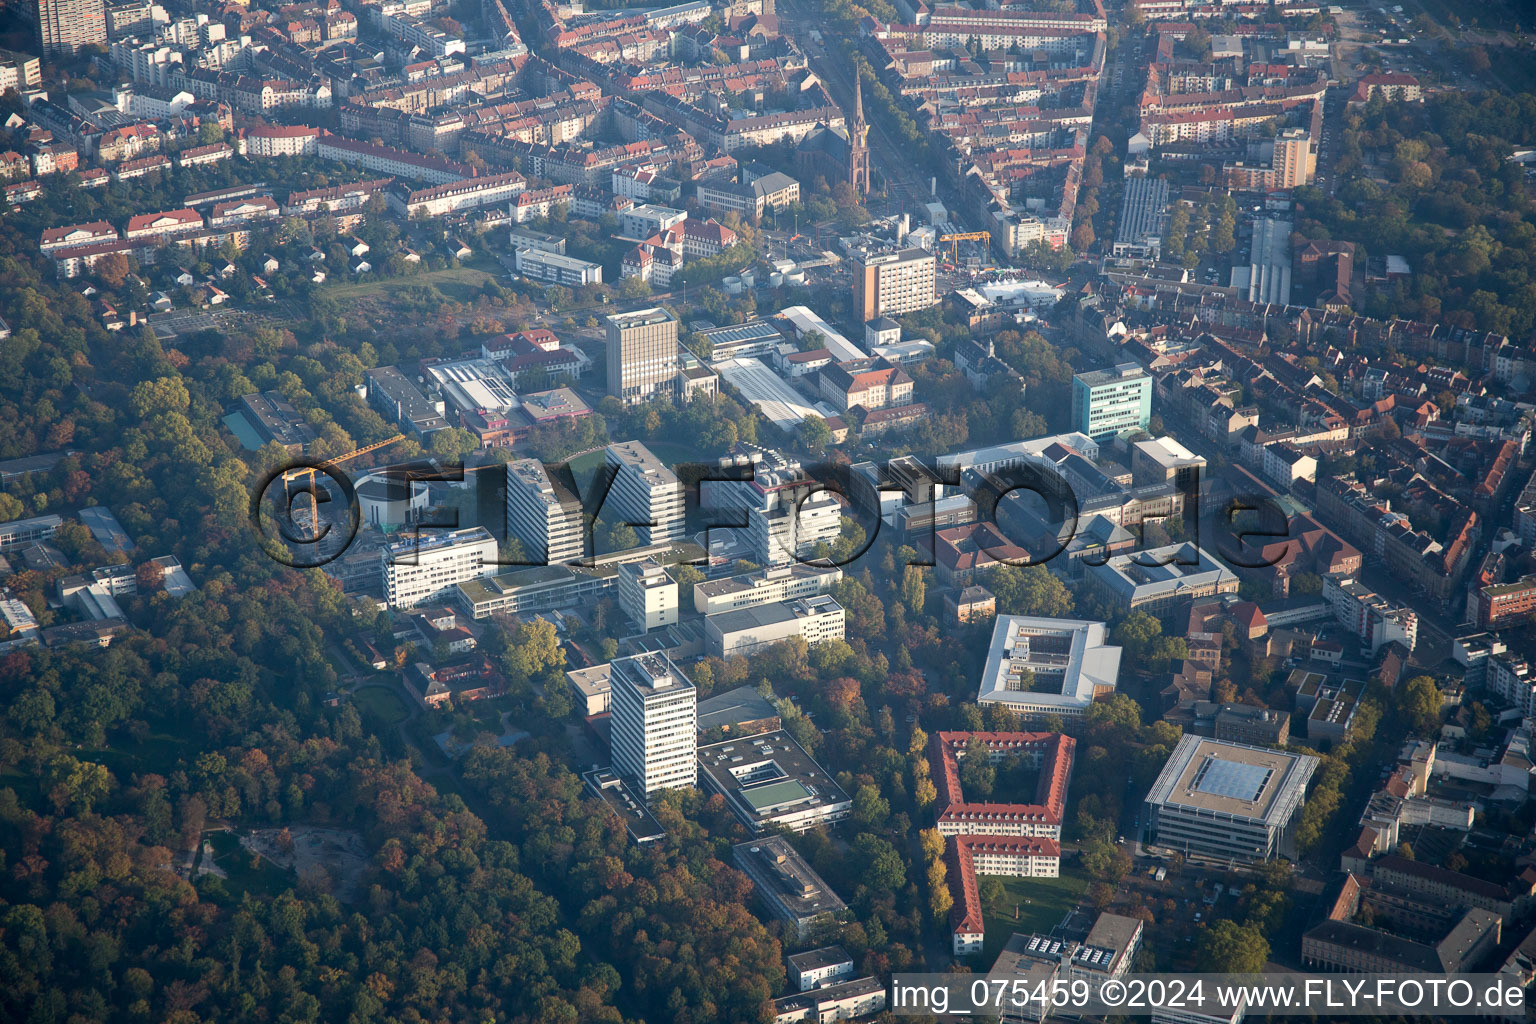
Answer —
544 513
66 25
645 494
1113 401
643 357
654 723
892 283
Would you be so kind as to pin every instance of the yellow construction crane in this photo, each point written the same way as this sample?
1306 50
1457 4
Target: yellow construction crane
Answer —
307 475
953 242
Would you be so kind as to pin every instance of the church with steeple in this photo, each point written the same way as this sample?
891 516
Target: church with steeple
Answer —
838 154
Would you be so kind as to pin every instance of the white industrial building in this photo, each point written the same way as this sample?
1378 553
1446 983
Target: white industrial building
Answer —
763 586
803 320
813 619
421 569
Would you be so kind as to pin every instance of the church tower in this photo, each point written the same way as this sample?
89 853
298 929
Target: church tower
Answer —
858 139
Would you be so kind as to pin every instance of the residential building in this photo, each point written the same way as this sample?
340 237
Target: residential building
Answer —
455 195
544 513
786 885
1039 667
1228 800
893 282
813 619
1389 86
1110 402
842 1001
1369 616
970 604
267 141
647 595
1499 604
156 226
653 708
643 358
645 494
816 968
769 781
76 234
63 26
556 268
19 71
419 569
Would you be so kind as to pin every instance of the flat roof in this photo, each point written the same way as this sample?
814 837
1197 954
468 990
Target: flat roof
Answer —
1119 373
1073 648
638 456
768 774
804 319
1139 573
652 671
607 786
785 407
109 533
784 878
552 491
640 317
592 680
772 613
733 707
274 417
749 581
817 959
1230 779
417 543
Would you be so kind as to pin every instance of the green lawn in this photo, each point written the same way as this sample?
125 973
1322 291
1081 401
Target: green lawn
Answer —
457 283
1041 903
386 704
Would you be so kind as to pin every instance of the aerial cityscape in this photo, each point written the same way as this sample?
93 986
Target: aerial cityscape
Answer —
553 511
